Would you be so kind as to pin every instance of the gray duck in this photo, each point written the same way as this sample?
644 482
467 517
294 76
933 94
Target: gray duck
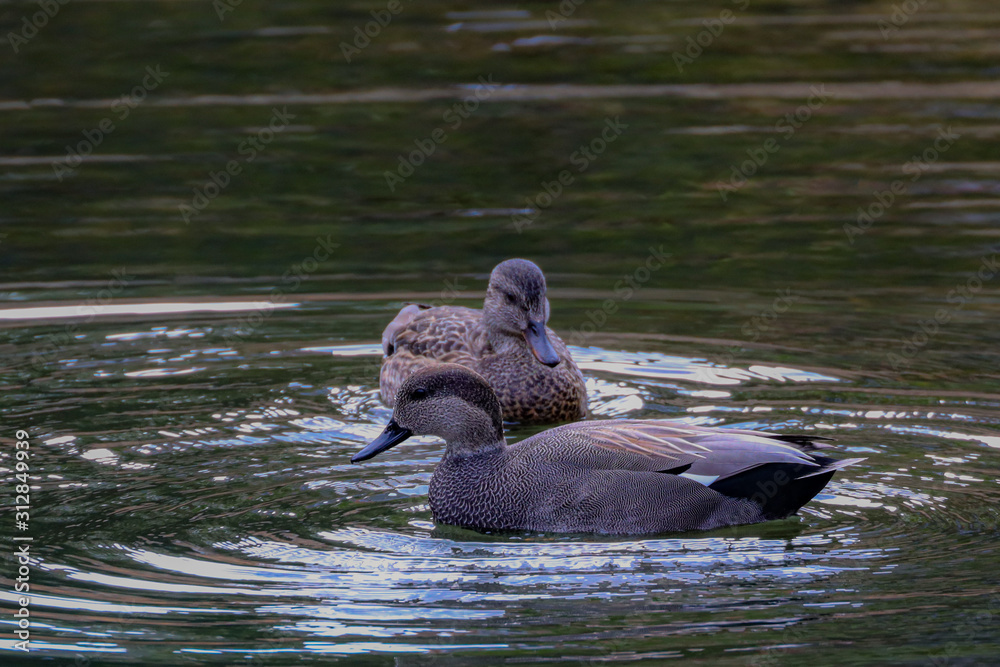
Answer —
615 477
507 342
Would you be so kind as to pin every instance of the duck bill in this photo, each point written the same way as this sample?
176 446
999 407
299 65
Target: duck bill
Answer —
539 343
389 438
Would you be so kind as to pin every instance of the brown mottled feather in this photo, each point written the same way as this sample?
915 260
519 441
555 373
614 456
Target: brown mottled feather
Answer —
529 392
443 332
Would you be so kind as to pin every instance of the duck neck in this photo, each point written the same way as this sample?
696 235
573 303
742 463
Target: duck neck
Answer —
508 344
480 438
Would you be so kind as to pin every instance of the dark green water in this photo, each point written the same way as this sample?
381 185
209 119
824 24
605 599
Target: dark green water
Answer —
195 364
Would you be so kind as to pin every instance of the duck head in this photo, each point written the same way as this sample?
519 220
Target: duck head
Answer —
516 309
446 400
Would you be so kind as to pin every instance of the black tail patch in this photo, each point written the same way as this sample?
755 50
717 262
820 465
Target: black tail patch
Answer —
779 488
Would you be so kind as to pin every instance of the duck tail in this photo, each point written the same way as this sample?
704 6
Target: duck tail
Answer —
828 464
782 488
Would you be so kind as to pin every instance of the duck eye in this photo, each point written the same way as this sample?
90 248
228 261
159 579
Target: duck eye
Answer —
419 393
511 299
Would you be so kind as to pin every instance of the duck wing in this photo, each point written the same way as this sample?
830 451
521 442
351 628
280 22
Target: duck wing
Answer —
445 333
707 455
399 323
779 473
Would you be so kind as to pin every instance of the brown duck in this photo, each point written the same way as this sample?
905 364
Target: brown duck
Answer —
618 477
507 342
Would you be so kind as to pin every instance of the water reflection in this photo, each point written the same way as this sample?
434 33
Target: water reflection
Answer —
194 499
343 560
93 309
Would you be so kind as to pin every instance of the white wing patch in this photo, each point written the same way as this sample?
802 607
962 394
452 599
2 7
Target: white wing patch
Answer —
707 480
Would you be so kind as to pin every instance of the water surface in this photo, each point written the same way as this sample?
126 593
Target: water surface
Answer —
823 188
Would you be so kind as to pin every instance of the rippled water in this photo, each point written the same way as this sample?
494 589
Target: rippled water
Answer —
196 501
193 390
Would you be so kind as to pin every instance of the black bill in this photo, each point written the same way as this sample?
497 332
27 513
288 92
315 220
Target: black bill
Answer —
388 438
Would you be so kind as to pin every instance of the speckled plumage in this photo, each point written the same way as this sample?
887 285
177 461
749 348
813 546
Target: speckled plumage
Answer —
616 477
490 342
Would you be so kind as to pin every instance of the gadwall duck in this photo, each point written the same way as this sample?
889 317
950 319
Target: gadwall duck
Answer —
507 342
616 477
